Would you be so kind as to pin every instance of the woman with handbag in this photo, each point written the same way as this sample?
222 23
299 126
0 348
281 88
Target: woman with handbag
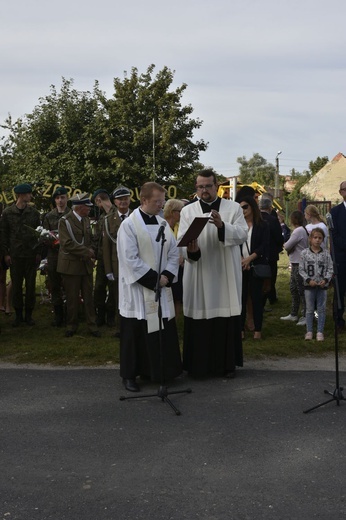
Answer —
255 253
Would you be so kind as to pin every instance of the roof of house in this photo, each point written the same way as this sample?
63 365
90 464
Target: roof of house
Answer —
324 185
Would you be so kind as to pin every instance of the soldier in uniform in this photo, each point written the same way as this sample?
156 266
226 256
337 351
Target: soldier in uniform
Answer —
76 262
51 222
21 252
103 291
112 221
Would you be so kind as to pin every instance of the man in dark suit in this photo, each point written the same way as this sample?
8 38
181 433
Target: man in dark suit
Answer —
339 241
276 242
112 222
76 262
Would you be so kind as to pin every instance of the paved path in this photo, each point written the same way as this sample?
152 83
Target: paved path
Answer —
241 450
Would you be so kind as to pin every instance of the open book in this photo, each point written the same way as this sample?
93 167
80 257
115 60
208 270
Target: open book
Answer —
194 230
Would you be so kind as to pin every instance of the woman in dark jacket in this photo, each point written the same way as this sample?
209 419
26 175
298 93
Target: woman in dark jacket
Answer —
254 251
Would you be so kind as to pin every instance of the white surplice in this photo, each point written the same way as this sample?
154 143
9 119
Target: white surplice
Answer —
138 252
212 285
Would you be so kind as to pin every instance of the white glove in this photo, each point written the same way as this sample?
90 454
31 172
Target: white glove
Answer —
110 277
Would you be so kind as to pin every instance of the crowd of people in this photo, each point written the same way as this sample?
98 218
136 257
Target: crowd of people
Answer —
130 274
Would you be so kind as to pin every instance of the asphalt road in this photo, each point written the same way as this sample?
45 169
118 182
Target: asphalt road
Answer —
241 449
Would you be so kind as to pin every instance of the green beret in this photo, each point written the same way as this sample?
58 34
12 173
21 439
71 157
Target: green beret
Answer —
59 191
23 188
97 192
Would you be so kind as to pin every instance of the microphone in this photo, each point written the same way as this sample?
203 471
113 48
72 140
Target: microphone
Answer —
329 220
161 231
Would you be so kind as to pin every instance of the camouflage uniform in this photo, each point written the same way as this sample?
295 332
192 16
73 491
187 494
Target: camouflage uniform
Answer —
19 241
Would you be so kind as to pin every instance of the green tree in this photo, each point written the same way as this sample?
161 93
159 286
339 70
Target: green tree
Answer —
150 130
316 165
85 140
256 169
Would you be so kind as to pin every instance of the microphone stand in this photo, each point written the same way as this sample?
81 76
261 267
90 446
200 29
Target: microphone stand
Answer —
162 392
337 394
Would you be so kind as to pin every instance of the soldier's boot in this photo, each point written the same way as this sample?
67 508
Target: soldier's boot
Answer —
18 320
59 315
28 317
100 316
111 318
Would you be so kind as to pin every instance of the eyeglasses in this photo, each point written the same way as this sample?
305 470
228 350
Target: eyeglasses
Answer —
205 187
178 210
245 206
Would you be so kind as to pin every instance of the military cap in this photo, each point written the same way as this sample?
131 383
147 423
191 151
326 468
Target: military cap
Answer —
59 191
121 191
97 192
81 199
23 188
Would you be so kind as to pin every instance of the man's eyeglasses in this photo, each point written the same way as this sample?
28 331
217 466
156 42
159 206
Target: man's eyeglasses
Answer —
245 206
205 187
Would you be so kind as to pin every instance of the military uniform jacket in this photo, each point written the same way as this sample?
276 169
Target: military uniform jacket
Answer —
75 244
109 242
51 222
18 237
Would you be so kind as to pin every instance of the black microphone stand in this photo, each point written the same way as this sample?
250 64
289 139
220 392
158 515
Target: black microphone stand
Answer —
337 394
162 392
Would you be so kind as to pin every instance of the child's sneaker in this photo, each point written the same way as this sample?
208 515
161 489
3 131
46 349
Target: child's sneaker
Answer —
320 336
308 335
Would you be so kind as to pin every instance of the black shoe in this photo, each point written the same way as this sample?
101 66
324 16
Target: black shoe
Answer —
231 374
18 319
116 335
131 385
29 321
96 333
69 333
110 319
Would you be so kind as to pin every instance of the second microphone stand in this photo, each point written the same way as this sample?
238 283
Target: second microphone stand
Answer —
337 394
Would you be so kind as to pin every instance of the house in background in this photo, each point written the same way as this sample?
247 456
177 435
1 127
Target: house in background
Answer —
324 185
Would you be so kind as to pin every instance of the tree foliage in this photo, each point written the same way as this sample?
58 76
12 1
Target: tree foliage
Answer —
316 165
256 169
83 139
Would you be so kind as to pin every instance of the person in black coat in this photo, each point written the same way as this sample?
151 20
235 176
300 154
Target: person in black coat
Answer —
338 233
276 242
254 251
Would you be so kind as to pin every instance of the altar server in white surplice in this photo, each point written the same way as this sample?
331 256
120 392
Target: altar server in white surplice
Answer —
212 283
139 253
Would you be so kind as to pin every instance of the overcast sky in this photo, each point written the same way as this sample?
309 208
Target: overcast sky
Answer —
263 76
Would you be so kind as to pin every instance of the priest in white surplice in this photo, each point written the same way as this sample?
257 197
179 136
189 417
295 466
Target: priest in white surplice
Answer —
212 283
138 254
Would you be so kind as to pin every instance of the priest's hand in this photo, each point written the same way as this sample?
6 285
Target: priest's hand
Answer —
215 218
192 246
163 280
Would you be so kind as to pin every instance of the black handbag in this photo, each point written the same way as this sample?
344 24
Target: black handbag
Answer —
261 270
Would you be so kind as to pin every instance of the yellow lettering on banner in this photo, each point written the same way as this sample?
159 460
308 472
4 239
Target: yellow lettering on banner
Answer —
132 196
172 192
45 193
137 191
3 198
49 189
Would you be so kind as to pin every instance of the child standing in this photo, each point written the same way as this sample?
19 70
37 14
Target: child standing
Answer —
297 242
316 269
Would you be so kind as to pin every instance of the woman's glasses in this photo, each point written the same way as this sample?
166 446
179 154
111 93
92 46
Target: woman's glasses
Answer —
245 206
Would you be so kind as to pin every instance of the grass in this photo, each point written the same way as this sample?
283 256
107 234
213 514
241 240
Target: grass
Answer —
44 344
